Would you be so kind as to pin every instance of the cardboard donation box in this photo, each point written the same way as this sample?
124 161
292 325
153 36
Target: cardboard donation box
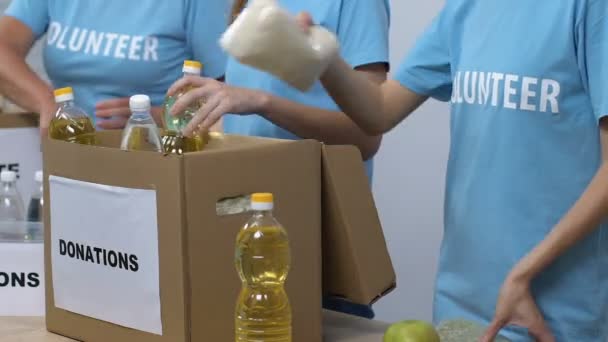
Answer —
356 262
135 250
20 143
139 246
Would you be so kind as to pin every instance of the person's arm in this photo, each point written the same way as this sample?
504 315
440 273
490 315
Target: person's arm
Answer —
582 219
17 80
364 46
515 304
332 127
375 108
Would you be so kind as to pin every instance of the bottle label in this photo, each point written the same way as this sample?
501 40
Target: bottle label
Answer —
22 279
104 247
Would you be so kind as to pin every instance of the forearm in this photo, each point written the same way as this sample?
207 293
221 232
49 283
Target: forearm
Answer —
331 127
357 96
582 219
375 108
22 85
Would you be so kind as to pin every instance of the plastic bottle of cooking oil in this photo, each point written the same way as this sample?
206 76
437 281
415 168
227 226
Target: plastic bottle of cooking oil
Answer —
141 132
173 139
263 312
71 123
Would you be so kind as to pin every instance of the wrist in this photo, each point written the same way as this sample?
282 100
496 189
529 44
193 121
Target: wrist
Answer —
262 102
47 113
333 65
46 105
522 272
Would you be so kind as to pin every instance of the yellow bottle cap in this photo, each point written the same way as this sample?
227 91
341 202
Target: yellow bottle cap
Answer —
262 197
63 91
262 201
193 64
64 94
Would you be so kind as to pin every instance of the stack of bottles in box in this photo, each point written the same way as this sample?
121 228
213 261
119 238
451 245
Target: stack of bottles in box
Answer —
141 132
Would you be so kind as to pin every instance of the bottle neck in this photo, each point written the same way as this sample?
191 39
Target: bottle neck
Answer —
140 114
40 190
8 187
188 73
68 103
264 217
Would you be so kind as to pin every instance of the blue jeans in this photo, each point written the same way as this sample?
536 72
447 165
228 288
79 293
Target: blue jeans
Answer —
344 306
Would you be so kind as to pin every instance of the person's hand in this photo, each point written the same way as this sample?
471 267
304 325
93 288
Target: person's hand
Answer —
516 306
46 116
217 99
115 113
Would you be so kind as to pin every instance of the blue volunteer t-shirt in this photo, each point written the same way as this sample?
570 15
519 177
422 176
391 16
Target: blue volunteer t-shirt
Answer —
363 40
113 49
527 82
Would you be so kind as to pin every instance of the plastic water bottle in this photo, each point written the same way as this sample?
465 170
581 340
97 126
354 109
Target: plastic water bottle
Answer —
35 229
71 123
141 132
34 209
11 204
263 312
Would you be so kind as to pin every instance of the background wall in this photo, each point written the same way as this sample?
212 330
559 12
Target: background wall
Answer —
409 181
409 178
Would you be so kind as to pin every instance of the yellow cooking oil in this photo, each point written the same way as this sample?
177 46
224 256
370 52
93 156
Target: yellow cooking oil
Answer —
70 122
262 258
78 130
176 143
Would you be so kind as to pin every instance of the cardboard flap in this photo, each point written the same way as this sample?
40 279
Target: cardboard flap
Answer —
217 142
357 265
225 142
20 120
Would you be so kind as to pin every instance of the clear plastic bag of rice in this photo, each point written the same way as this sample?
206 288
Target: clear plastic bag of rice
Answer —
266 37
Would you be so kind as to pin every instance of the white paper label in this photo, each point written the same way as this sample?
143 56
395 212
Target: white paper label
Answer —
104 242
21 153
22 279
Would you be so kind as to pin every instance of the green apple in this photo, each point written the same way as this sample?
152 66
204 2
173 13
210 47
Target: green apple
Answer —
411 331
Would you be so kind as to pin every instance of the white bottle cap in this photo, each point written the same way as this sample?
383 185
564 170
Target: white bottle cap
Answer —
8 176
38 176
139 103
